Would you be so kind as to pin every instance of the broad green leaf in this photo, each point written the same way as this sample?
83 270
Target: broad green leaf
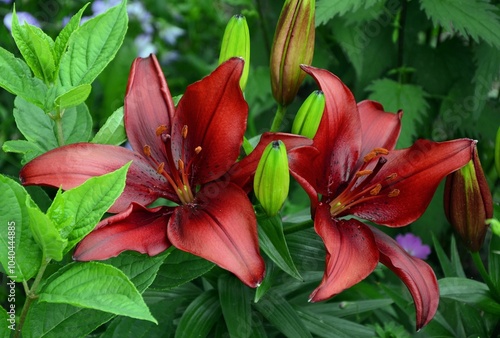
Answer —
16 78
329 326
36 48
307 250
73 97
469 291
200 316
76 124
45 233
9 321
282 315
113 131
30 150
77 211
180 267
92 46
235 302
328 9
96 286
395 96
273 242
474 18
64 320
19 254
61 42
488 67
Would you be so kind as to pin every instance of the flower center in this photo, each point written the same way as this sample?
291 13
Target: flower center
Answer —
176 172
362 187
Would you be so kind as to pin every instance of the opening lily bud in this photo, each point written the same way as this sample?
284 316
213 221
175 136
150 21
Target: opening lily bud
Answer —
468 203
293 45
272 178
236 43
308 117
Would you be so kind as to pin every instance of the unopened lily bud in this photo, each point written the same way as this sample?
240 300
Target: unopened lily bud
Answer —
236 43
468 203
308 117
272 178
293 45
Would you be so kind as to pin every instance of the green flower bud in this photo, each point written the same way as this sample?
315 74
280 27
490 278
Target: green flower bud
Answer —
308 117
293 45
236 42
468 203
272 178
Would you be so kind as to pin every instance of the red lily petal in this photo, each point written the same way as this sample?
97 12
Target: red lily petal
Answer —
220 226
137 228
339 133
148 104
299 149
215 113
414 272
351 253
418 169
380 129
71 165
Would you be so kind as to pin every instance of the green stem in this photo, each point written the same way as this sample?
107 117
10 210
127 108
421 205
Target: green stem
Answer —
278 118
60 135
31 295
484 274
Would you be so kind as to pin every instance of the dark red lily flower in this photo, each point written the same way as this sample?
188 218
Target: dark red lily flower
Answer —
179 153
358 172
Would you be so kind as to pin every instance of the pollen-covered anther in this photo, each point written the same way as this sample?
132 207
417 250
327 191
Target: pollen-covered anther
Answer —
376 190
374 153
180 164
393 193
197 150
160 168
391 177
161 129
184 131
363 173
381 151
147 150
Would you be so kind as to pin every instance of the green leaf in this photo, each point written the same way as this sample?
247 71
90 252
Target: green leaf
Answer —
395 96
488 68
469 291
96 286
16 78
113 131
273 243
494 261
474 18
36 48
330 326
92 46
200 316
61 43
77 211
73 97
453 267
282 315
19 254
348 308
45 233
76 124
30 150
179 268
328 9
235 302
9 323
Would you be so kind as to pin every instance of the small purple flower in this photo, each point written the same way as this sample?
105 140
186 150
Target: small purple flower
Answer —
413 245
22 17
6 1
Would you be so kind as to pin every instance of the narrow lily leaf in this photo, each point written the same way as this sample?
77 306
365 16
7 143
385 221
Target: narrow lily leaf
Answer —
96 286
77 211
273 242
76 124
453 267
45 233
348 308
20 256
92 46
62 39
469 291
200 316
46 320
36 48
330 326
235 302
282 315
113 131
6 329
73 97
494 261
16 78
179 268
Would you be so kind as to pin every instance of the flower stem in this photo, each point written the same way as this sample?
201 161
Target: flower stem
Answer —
484 274
278 118
31 295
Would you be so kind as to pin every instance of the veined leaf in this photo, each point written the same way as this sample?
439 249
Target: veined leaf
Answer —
235 302
77 124
96 286
30 150
200 316
73 97
328 9
113 131
474 18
